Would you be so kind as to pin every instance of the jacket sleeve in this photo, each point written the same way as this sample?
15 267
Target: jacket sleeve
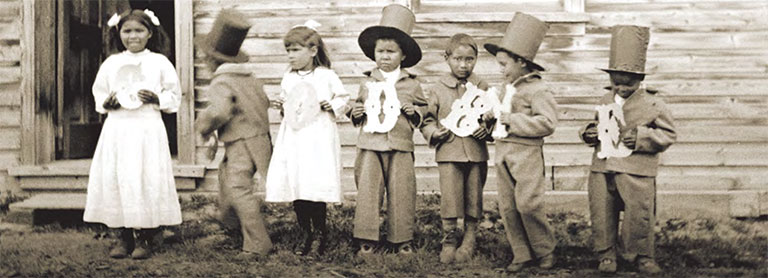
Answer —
169 96
219 110
420 103
658 135
358 101
541 123
429 124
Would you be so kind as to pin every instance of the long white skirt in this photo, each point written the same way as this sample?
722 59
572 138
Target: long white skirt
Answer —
306 163
131 178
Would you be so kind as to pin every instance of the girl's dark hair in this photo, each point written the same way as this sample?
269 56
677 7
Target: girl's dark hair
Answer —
307 37
530 67
159 42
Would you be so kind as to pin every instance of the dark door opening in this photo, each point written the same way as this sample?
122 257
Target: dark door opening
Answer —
80 47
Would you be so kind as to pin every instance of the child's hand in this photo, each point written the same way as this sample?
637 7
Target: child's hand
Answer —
504 118
488 116
408 109
358 111
441 135
480 133
325 106
111 102
629 138
147 96
590 135
276 103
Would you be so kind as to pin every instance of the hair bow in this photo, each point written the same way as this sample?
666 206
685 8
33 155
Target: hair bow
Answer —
152 17
113 20
311 24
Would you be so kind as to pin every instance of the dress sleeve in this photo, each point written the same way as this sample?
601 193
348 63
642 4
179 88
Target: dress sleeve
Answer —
339 95
100 87
170 92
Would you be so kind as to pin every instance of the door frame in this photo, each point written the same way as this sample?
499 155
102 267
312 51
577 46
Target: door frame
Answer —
38 85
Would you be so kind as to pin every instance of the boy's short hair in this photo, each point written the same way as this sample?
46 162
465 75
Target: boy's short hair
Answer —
458 40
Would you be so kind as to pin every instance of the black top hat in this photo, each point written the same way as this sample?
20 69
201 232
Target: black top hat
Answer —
397 22
523 37
225 38
629 44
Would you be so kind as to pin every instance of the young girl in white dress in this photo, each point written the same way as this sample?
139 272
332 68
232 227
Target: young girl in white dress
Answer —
306 165
130 185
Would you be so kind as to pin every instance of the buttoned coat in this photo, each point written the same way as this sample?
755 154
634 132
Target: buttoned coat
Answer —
400 138
655 133
441 97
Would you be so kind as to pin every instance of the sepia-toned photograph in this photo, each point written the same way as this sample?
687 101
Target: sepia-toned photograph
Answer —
384 138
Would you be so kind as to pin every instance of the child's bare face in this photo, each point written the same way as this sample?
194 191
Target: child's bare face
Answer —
511 68
134 36
300 57
462 61
388 55
624 84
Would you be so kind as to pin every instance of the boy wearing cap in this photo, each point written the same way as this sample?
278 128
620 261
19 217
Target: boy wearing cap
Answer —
461 161
628 183
385 157
529 114
237 109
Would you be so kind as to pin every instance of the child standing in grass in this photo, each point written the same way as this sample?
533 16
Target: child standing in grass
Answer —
388 112
529 113
628 183
461 161
306 165
237 110
131 185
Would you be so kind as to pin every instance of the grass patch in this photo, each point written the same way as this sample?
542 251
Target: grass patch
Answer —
200 247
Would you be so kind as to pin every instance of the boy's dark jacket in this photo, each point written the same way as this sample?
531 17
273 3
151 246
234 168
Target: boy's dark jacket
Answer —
237 105
441 98
400 138
655 133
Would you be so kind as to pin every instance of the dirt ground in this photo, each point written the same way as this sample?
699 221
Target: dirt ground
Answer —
200 247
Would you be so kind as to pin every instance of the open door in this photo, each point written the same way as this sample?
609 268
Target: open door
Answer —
79 44
81 28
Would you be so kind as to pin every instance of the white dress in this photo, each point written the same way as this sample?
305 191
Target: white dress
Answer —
131 180
306 162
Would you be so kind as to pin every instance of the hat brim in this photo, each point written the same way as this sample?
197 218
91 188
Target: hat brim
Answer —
411 49
624 71
205 46
493 49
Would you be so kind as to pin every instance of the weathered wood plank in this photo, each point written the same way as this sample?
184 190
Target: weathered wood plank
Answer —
10 139
10 95
10 30
652 5
490 6
10 117
10 75
184 66
10 10
9 158
216 5
10 53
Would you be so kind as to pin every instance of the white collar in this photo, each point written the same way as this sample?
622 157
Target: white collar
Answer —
391 76
619 100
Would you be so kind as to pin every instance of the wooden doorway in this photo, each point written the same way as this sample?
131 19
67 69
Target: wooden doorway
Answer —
80 34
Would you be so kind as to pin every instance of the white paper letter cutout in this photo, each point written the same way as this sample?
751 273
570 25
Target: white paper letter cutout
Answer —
375 106
467 110
610 117
301 106
500 130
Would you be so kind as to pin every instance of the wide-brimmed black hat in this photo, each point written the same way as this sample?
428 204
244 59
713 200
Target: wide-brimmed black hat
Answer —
225 38
523 37
629 44
397 22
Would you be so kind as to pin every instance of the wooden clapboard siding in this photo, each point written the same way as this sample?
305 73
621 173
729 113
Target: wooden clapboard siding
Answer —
10 84
708 59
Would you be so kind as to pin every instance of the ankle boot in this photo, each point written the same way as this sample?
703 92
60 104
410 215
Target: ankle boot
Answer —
467 248
144 244
450 239
305 247
124 245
